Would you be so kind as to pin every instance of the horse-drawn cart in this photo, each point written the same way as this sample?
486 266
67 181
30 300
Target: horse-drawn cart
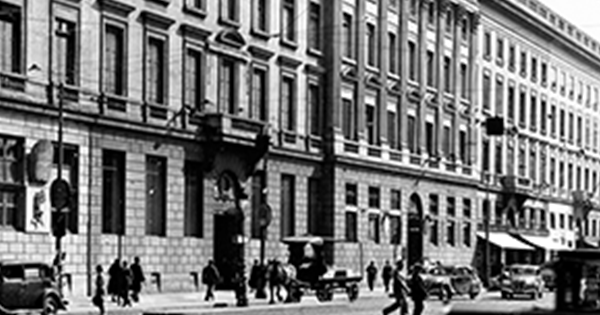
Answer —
306 255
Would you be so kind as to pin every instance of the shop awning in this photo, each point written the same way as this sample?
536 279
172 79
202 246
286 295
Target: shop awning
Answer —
506 241
544 242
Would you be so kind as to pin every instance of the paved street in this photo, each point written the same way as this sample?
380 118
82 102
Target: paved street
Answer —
371 305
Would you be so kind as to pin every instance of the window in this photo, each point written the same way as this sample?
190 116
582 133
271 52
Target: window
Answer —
467 208
431 14
313 206
412 61
543 116
500 49
430 69
544 73
65 57
561 220
510 108
371 124
532 162
561 174
451 232
433 204
451 206
464 85
349 119
533 114
194 199
433 232
374 227
522 108
288 20
374 196
486 91
261 12
371 42
288 202
351 194
156 195
10 39
570 178
347 34
463 146
395 229
316 114
579 130
571 127
533 69
487 45
260 104
288 104
70 171
228 85
485 155
522 158
449 22
395 199
552 172
392 130
194 81
259 198
464 29
392 51
314 27
466 237
499 95
413 7
114 55
113 192
430 141
411 134
553 120
230 11
447 142
498 158
351 226
552 221
447 74
511 57
523 63
562 123
11 179
156 84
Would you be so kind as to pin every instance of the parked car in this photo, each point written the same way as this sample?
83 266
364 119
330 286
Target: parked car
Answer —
29 287
447 281
521 279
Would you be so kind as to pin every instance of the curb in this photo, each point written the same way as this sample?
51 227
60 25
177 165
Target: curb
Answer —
324 307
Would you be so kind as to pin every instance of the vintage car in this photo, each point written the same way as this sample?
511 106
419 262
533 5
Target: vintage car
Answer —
29 287
448 281
520 279
577 289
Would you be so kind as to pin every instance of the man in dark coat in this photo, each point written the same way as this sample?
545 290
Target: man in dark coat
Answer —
386 275
418 291
254 276
210 277
400 292
371 275
126 280
115 272
137 279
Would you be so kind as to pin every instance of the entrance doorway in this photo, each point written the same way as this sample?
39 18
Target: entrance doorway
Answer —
227 250
415 231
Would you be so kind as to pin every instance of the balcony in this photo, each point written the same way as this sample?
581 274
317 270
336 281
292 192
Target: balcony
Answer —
232 129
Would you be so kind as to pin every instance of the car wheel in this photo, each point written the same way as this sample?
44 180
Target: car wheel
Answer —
352 292
50 306
534 295
504 296
473 295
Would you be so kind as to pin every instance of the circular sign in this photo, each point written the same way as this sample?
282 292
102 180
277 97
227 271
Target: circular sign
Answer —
60 194
265 214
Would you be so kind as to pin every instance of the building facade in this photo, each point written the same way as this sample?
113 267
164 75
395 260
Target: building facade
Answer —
541 74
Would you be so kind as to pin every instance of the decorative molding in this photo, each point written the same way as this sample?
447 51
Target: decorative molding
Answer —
232 38
288 61
260 53
161 2
349 73
157 20
117 7
475 20
372 79
194 31
312 69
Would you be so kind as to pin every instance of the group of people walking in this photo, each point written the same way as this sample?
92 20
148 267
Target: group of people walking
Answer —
124 283
402 288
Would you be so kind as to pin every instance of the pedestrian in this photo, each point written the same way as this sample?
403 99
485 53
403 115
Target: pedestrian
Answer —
386 275
115 273
371 275
254 276
137 279
400 292
126 279
418 291
210 277
98 299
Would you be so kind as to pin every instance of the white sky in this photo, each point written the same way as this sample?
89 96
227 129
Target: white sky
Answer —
582 13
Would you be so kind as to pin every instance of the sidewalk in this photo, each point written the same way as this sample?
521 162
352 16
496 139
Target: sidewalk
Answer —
193 302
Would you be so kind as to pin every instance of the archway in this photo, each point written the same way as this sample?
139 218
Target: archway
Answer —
415 230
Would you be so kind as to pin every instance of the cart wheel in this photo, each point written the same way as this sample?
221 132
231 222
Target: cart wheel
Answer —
352 291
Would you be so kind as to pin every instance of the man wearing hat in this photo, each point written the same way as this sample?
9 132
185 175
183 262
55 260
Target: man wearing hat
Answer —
400 292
